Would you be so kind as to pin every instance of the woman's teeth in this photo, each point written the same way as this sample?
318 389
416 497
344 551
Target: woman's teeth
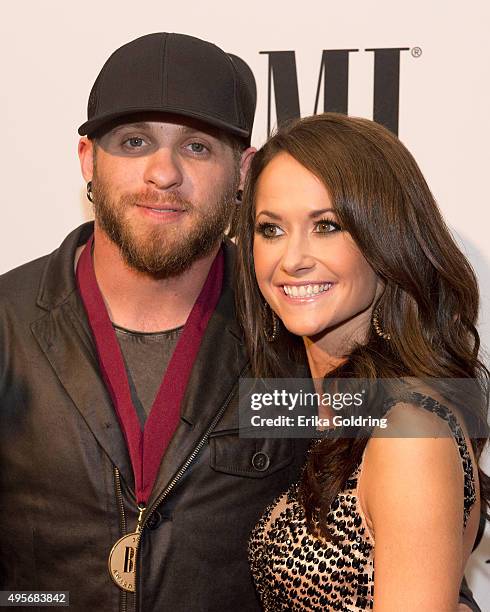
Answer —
305 290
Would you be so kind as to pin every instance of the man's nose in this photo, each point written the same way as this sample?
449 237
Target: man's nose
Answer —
297 258
162 170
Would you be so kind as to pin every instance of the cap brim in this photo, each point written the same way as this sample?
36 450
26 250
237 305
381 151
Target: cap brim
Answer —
90 127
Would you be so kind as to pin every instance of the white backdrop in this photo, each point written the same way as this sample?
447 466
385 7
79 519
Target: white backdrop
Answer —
52 50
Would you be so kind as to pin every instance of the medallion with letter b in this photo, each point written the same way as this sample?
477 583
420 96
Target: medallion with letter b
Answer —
122 562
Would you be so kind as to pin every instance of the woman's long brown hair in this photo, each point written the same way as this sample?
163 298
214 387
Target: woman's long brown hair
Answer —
430 302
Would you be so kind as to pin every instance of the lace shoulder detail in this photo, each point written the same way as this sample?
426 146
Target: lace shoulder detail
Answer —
432 405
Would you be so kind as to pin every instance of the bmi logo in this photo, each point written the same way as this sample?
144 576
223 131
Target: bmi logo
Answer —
334 76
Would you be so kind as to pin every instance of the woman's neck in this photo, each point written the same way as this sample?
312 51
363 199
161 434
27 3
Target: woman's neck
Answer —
321 362
328 351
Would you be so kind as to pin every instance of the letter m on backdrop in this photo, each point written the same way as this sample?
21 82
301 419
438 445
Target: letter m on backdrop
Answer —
334 74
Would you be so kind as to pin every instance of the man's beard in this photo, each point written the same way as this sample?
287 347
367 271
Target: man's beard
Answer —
168 250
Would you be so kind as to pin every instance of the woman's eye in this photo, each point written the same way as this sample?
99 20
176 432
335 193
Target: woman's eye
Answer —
269 230
197 147
325 227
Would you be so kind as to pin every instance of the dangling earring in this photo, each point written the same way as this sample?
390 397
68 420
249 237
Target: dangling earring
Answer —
270 334
90 195
377 325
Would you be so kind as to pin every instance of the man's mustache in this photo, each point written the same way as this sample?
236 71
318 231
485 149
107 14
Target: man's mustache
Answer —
154 199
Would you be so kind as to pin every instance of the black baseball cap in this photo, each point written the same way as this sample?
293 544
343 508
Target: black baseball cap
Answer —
178 74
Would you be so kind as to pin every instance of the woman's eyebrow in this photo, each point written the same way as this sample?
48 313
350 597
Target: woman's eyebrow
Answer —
311 215
322 211
269 214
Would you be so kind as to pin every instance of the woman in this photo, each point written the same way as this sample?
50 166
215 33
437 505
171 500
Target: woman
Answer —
342 242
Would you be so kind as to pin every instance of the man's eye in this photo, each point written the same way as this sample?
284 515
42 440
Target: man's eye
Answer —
269 230
197 147
135 142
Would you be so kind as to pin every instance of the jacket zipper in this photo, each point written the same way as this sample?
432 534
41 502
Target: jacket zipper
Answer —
123 596
184 467
119 498
188 461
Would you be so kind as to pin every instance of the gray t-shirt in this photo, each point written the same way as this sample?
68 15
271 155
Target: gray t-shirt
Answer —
146 357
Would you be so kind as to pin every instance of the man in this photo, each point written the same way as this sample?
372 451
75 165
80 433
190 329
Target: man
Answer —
170 119
121 356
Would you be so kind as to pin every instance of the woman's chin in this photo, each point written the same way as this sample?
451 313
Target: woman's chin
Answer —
304 328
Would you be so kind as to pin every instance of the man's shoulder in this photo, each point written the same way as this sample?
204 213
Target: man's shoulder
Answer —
22 281
48 278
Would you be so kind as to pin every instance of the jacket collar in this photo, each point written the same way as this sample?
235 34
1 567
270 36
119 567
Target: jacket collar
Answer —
58 280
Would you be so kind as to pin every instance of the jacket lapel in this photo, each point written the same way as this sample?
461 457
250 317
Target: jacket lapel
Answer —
64 337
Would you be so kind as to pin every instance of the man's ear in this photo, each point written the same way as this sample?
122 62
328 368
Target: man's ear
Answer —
245 162
86 155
